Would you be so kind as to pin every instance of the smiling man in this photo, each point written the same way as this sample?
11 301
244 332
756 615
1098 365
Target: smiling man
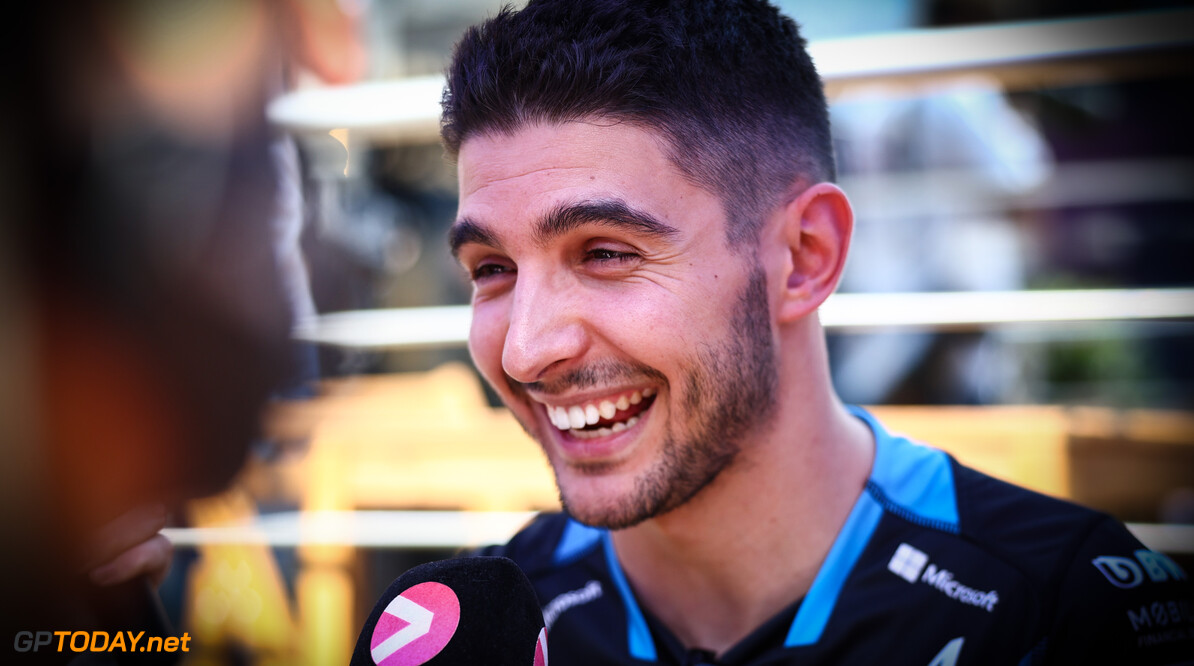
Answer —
649 222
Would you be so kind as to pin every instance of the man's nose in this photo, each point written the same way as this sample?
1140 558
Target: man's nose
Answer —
546 327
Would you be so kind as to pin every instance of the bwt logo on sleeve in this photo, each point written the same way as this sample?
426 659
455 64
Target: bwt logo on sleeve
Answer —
1127 573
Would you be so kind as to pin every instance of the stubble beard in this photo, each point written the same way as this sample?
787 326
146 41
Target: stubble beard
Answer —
729 392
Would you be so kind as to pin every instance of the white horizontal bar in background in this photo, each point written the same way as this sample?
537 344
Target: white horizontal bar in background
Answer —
394 328
363 529
463 529
409 109
1172 539
978 47
982 309
399 109
448 326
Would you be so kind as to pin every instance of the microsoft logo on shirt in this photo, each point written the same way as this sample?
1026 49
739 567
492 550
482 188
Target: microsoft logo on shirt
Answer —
913 566
907 563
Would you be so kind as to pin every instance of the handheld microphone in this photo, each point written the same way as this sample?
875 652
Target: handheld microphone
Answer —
464 611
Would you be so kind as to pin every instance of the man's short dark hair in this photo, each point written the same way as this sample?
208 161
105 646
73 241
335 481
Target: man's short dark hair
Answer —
727 83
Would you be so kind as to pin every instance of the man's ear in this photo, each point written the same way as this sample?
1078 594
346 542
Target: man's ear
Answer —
817 228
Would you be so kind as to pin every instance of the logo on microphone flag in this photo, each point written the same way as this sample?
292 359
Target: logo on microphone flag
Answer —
415 626
541 648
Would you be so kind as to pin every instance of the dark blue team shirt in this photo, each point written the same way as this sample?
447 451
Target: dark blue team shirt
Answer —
937 564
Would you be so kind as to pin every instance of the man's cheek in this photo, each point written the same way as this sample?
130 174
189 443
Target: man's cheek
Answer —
485 352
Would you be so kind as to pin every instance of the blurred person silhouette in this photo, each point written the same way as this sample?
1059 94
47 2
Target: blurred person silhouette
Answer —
149 279
948 233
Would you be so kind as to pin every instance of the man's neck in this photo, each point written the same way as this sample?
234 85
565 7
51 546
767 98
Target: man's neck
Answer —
750 543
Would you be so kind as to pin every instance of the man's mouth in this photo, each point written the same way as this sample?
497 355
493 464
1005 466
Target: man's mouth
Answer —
600 418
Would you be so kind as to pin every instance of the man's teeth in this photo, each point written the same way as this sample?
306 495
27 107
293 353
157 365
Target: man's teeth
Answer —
606 409
577 417
602 432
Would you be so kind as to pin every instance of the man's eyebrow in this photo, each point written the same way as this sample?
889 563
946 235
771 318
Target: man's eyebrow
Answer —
564 218
608 212
465 231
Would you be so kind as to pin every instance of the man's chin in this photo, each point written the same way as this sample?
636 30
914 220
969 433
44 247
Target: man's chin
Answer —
598 510
613 502
610 520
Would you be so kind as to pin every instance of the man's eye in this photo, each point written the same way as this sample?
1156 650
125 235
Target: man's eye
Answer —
490 270
606 255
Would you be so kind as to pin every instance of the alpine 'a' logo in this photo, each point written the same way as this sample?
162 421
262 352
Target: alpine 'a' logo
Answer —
913 566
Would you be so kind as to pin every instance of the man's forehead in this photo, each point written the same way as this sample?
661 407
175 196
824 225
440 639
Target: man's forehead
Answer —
578 144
